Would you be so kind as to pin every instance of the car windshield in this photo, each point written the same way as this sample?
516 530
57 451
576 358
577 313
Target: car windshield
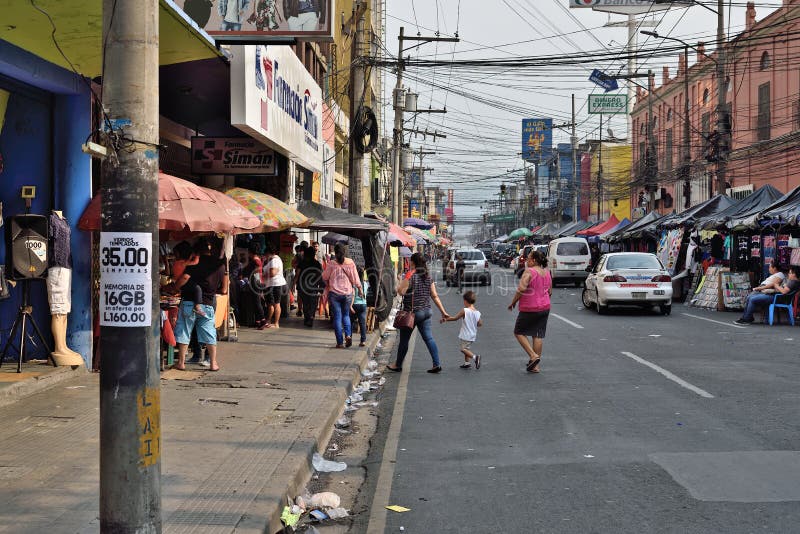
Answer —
574 248
638 261
472 255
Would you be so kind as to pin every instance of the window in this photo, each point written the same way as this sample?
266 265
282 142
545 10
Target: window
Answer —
706 96
472 255
633 261
669 114
642 129
668 151
655 124
705 124
728 85
765 61
574 248
764 119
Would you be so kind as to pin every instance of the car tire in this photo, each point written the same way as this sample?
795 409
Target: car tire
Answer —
665 309
601 310
585 299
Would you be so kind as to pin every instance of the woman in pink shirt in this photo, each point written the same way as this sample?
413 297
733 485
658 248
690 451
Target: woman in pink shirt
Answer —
341 277
533 295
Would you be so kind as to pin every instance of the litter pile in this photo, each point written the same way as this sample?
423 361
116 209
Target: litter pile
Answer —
307 509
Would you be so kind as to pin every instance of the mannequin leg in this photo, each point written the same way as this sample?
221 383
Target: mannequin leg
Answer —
62 354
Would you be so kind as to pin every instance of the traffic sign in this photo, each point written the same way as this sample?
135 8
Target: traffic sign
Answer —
604 80
608 104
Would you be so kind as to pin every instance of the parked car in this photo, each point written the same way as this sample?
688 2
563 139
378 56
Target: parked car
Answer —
476 267
568 258
631 279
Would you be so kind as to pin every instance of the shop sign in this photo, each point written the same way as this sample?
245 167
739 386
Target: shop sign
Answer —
231 155
254 21
537 138
126 284
275 100
608 104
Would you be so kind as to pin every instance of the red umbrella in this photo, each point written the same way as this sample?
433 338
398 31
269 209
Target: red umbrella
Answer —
396 233
184 206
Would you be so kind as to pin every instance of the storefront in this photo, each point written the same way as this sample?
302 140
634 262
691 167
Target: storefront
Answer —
45 116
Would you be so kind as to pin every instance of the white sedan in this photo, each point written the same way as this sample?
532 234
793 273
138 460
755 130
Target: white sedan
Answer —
631 279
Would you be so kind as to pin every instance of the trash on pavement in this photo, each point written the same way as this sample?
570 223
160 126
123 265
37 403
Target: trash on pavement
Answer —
289 519
338 513
325 499
398 509
318 515
342 422
326 466
372 365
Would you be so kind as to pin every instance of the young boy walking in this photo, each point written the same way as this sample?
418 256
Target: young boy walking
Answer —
470 321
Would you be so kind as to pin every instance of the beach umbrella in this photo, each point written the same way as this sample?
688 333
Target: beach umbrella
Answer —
520 232
184 206
396 233
419 235
273 214
417 223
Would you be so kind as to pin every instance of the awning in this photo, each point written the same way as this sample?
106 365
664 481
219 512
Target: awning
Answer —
689 217
632 231
79 26
784 211
335 220
744 213
600 228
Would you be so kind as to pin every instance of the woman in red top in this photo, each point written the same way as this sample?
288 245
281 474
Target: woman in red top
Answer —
533 295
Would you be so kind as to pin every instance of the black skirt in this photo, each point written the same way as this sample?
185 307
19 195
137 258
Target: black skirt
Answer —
532 324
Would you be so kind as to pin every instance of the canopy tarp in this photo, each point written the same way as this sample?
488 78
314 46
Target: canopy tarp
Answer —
636 228
335 220
571 229
548 229
624 223
600 228
501 238
742 214
689 217
785 210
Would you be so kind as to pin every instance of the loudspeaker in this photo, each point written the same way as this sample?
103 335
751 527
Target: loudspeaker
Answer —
26 246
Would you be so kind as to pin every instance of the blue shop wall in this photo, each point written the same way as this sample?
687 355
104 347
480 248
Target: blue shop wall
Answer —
48 117
25 144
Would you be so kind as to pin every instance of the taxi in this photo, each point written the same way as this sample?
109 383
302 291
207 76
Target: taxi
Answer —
629 279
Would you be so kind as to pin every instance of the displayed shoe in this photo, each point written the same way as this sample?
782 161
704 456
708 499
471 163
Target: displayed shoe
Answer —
477 361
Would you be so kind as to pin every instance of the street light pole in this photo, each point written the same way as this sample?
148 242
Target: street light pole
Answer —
398 131
722 107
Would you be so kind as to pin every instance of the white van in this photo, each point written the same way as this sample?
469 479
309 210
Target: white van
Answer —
568 259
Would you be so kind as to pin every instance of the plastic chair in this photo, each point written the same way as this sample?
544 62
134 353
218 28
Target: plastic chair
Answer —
785 302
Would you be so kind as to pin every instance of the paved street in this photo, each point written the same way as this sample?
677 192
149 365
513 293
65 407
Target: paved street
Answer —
637 423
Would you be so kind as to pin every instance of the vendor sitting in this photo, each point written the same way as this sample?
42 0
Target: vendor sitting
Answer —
763 295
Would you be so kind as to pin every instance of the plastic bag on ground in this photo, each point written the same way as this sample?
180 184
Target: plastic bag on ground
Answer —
372 365
338 513
326 499
326 466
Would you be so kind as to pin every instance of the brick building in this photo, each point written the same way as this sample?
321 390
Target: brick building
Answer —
763 94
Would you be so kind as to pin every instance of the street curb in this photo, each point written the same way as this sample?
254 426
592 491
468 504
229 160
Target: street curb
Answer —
24 388
298 470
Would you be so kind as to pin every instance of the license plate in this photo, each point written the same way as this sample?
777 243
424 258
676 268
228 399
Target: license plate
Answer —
639 295
658 292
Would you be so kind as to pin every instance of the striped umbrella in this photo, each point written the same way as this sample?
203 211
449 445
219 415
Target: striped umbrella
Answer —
273 214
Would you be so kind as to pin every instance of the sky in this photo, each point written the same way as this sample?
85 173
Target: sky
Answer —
486 103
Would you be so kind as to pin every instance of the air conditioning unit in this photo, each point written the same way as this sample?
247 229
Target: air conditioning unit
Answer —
740 192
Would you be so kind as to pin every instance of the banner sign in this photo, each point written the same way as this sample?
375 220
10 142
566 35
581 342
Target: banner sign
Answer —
608 104
255 21
537 138
276 100
623 7
126 284
231 155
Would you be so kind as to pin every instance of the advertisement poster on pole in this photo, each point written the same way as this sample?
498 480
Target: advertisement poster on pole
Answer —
256 21
537 138
126 283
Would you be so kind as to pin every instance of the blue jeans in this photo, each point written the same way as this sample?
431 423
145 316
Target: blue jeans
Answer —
754 301
361 314
230 26
422 321
340 310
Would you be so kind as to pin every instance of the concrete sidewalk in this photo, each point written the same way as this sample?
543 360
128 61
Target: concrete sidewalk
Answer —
235 442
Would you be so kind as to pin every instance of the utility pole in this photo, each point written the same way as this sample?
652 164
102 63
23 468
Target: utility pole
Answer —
600 171
574 141
399 107
357 84
722 107
687 136
650 153
130 395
